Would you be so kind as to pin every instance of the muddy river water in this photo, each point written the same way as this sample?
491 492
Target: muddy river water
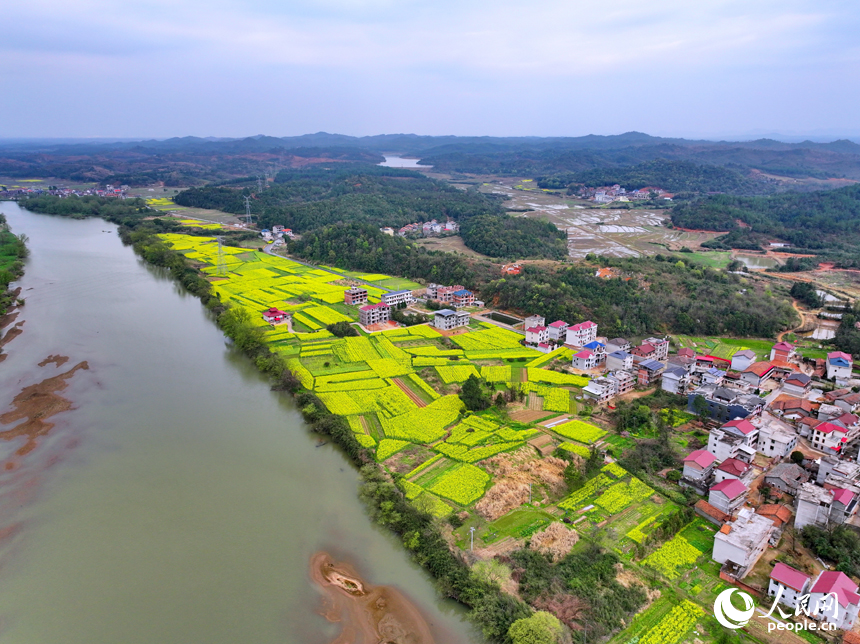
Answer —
171 497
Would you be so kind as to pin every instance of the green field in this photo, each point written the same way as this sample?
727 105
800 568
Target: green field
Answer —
518 524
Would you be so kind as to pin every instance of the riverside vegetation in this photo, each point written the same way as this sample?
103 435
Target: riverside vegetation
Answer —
13 251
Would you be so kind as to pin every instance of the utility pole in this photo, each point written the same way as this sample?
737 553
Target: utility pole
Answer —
471 538
247 210
222 265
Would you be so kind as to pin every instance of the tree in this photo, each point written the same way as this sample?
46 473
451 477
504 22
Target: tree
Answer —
797 457
473 395
673 475
540 628
700 406
342 329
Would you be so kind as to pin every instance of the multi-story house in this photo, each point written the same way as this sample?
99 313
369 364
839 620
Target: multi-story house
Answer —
374 314
661 347
741 543
833 598
839 365
557 331
356 296
619 360
584 359
446 319
397 298
536 335
788 584
728 495
581 334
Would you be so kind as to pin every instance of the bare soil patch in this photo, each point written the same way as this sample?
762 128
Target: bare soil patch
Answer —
527 415
57 360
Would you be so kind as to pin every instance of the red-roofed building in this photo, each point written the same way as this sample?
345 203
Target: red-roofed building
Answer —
557 331
758 373
843 611
779 514
644 351
782 351
581 334
732 468
274 316
829 437
374 314
728 496
536 335
698 469
686 352
584 359
788 584
839 366
710 513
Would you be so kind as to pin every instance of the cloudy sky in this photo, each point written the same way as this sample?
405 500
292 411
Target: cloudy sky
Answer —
715 68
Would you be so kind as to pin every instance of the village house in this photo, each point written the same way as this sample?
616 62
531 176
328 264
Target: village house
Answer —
397 298
581 334
829 412
698 470
820 507
534 320
743 359
740 544
536 335
661 347
787 477
788 584
446 319
703 363
758 373
674 380
776 441
444 294
791 408
557 331
732 468
617 344
728 495
273 316
648 371
598 349
839 366
644 351
619 360
797 384
374 314
355 296
735 439
782 352
601 389
584 360
829 437
625 381
713 376
779 514
726 404
843 612
463 297
837 473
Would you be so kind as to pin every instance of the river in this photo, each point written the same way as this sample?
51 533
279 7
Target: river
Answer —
181 499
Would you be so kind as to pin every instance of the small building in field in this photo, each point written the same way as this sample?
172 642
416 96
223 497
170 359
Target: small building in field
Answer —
356 296
446 319
374 314
788 584
274 316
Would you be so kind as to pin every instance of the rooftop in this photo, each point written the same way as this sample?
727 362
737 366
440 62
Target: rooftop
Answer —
620 355
842 496
827 428
788 576
832 581
759 368
732 488
558 324
779 514
733 466
747 532
744 426
701 457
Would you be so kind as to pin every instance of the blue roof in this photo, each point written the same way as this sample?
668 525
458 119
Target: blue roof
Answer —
651 365
840 362
594 344
462 292
396 292
446 312
620 355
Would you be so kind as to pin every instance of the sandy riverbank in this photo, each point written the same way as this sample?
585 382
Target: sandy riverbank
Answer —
368 614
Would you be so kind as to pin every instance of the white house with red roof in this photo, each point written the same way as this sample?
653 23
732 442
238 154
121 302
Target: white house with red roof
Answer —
661 347
581 334
839 365
821 507
557 331
728 495
536 335
374 314
833 598
788 584
699 465
584 359
782 351
829 437
732 468
735 439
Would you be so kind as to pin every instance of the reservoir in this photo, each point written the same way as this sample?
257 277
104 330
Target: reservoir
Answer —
180 499
401 162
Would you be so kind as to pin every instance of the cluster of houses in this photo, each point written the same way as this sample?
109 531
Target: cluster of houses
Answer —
118 192
457 296
430 228
276 233
608 194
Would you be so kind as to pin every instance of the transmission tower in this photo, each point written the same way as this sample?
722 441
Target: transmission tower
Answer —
259 184
222 265
248 210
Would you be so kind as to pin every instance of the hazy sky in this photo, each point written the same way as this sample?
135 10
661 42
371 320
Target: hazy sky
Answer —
568 67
